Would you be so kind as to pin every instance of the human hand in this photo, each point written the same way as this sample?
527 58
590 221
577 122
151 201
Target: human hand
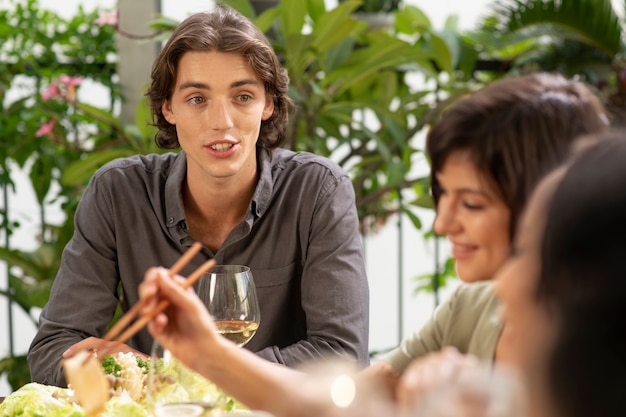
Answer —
450 384
185 327
430 373
100 347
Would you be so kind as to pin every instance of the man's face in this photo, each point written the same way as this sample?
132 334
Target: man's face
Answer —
217 105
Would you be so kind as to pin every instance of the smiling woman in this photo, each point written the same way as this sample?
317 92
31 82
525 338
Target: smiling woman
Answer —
471 213
488 151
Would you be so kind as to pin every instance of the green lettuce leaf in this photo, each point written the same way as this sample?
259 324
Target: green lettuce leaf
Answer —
37 400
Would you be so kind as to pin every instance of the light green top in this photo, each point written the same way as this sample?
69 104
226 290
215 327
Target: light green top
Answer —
468 320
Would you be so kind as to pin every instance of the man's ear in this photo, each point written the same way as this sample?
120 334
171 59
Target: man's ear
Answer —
269 108
166 108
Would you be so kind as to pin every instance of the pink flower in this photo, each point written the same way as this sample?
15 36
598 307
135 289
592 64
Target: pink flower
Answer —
107 18
45 129
70 84
52 91
70 81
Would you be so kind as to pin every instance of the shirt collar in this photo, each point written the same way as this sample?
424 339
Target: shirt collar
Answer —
174 208
263 192
173 187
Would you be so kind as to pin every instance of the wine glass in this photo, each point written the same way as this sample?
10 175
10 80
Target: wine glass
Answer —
229 293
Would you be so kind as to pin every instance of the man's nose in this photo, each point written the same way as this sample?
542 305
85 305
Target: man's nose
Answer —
219 115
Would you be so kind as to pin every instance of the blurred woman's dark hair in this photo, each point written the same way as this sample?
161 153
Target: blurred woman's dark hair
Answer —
583 281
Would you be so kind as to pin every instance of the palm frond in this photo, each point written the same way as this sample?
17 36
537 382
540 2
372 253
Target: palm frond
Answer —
593 22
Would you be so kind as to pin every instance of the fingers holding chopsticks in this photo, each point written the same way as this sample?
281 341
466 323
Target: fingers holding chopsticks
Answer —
147 307
158 285
185 327
185 311
149 289
135 310
149 314
155 296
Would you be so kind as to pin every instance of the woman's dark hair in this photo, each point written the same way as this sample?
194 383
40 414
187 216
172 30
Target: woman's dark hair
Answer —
223 30
583 281
514 131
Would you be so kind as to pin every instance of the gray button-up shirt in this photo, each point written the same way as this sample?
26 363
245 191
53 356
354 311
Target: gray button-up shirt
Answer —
299 237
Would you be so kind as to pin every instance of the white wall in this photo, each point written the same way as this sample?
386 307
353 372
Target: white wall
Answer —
380 249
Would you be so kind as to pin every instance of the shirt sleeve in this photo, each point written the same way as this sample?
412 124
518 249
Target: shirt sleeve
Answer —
86 282
467 320
430 338
334 287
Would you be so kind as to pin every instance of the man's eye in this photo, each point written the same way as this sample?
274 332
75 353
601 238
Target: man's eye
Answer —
245 97
196 100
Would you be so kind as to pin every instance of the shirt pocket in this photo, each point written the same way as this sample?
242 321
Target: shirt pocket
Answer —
266 278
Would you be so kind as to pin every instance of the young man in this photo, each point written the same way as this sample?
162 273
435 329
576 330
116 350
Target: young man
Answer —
219 93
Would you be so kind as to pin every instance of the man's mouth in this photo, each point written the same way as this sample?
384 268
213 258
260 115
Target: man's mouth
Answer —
220 147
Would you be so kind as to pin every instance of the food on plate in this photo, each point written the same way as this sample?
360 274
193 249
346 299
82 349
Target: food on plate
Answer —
126 374
87 379
39 400
126 384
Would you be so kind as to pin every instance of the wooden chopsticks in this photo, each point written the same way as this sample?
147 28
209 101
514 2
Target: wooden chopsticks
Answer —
114 332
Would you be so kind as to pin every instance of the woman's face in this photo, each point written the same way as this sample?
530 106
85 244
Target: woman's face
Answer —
474 218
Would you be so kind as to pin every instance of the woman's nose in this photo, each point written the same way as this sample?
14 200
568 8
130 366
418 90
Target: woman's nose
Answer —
446 221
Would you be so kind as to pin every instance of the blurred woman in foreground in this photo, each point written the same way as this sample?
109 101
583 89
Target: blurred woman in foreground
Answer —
564 288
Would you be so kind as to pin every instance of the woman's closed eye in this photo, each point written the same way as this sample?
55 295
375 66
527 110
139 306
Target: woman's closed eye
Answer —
471 205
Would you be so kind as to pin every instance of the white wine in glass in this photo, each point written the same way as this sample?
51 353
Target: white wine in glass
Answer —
229 293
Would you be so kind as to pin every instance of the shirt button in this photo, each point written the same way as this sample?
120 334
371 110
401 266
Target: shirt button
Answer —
171 220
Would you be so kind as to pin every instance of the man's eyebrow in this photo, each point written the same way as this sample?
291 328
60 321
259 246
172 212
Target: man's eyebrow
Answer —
244 82
193 84
203 86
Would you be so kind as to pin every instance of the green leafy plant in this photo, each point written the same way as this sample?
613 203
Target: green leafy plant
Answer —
355 103
53 136
578 38
377 6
